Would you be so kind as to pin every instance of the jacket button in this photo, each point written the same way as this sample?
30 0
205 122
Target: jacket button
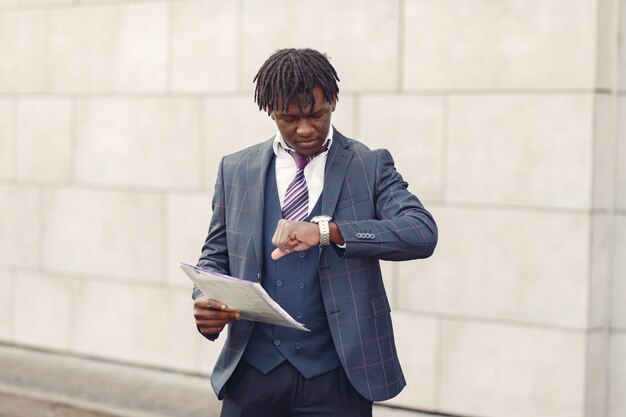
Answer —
301 285
276 342
279 283
298 346
299 315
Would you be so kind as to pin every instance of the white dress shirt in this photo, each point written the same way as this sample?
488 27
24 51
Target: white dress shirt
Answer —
313 171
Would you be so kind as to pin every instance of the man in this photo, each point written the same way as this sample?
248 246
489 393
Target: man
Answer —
309 214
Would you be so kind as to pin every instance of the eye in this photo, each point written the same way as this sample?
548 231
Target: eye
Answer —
289 119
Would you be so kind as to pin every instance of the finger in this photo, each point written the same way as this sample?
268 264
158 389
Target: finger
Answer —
206 303
204 310
278 233
212 326
216 304
300 247
211 330
285 234
214 317
279 253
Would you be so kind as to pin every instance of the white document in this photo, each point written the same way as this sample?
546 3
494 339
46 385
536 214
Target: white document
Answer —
249 298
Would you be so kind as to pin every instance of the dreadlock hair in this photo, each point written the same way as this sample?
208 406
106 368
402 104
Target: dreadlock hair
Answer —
293 74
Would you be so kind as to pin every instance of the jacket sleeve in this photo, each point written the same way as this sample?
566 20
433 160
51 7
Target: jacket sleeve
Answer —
402 228
215 251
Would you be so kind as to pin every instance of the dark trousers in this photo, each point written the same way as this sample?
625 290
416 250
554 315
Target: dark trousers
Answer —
284 392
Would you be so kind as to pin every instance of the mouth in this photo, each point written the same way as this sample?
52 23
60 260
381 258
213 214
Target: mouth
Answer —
308 142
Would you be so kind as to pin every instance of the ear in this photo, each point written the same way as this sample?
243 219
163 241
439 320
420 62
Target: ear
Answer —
333 104
271 114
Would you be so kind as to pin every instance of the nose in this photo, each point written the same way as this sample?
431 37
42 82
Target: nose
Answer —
305 128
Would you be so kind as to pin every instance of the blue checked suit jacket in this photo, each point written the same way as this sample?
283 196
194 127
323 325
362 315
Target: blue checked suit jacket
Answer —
378 218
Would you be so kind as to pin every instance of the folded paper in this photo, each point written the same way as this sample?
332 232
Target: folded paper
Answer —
248 298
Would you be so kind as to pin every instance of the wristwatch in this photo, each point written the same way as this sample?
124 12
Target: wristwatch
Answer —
322 222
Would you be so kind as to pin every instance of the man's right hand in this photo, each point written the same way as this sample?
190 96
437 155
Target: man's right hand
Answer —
212 315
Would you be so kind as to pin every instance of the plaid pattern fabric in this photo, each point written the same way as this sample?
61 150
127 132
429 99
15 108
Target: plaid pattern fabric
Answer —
378 218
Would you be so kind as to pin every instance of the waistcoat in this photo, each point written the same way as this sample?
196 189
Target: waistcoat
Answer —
293 281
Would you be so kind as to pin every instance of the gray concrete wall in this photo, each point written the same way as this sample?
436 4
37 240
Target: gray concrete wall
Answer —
506 117
617 380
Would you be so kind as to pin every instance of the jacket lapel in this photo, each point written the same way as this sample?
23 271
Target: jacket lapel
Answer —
258 163
339 157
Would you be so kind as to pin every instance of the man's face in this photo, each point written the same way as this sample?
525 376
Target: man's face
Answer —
306 132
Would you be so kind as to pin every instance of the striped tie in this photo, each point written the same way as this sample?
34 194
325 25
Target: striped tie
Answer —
296 205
